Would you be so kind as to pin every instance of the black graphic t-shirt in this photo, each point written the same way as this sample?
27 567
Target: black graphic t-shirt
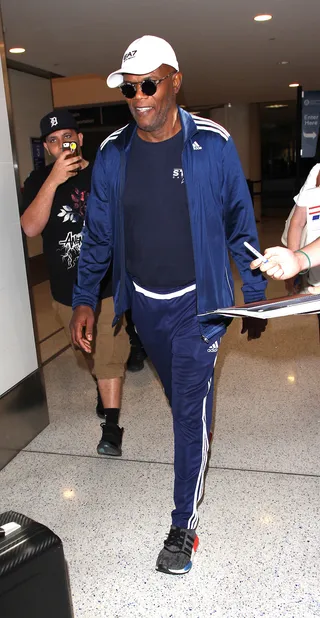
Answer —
62 236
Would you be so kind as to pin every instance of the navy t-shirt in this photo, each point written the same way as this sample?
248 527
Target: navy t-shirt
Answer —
158 243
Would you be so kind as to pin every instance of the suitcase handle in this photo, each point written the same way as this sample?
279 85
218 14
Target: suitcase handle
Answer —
9 528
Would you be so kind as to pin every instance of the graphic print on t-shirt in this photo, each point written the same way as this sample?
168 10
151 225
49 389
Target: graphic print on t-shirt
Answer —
178 173
70 249
70 246
73 214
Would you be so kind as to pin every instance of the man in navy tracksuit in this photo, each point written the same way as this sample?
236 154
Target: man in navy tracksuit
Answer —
168 201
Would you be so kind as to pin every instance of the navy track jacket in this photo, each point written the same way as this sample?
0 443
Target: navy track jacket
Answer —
221 217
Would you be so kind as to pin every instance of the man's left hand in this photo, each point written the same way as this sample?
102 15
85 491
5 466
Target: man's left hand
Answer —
254 327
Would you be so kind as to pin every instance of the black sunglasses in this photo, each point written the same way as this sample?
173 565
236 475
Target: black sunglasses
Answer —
148 86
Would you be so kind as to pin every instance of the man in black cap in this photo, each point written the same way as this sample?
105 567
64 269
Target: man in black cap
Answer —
54 204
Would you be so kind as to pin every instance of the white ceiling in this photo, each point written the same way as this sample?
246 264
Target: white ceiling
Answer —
225 56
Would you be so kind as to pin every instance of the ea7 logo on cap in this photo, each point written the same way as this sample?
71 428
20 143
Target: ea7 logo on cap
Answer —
54 121
129 55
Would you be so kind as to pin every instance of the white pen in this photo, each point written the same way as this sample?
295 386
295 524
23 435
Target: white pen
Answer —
255 252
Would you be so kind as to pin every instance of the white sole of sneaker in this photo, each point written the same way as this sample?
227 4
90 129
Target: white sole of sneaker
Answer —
188 566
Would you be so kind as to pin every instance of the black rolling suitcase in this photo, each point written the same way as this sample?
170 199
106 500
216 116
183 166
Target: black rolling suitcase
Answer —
33 574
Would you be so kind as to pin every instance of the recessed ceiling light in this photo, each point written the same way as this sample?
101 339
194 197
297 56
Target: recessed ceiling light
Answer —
17 50
276 105
294 85
283 62
262 17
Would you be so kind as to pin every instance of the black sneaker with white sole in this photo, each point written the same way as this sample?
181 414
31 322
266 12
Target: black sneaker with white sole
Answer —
111 440
176 556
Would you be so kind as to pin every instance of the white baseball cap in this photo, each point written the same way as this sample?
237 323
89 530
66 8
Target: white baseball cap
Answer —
143 56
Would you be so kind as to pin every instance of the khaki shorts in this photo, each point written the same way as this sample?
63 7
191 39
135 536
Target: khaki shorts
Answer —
111 345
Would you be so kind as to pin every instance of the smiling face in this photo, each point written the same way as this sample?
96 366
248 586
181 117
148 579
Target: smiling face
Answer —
155 114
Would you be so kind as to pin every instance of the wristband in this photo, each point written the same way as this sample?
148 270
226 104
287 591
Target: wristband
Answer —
304 272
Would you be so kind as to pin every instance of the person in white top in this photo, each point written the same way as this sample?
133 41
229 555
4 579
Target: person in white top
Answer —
305 221
286 264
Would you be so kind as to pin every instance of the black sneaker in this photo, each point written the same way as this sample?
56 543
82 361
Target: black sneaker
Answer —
111 440
136 359
176 556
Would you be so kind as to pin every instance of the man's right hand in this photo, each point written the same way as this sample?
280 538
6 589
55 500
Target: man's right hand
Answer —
64 168
81 327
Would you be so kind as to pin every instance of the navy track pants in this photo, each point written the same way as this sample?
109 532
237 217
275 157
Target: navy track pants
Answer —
168 328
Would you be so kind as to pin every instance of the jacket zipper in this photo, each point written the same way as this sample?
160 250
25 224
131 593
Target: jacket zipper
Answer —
121 223
205 339
230 288
191 227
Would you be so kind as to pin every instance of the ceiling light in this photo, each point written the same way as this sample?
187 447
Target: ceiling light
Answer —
294 85
283 62
262 17
276 105
17 50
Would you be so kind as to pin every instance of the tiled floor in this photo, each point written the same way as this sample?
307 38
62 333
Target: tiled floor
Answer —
259 522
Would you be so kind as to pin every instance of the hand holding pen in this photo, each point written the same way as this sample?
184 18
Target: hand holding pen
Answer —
281 263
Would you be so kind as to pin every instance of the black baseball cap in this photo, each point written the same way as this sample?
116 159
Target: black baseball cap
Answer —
55 121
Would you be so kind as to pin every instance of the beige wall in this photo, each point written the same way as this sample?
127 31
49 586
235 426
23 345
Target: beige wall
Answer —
31 99
83 90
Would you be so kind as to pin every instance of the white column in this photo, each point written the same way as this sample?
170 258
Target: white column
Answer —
18 350
23 408
243 123
255 156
